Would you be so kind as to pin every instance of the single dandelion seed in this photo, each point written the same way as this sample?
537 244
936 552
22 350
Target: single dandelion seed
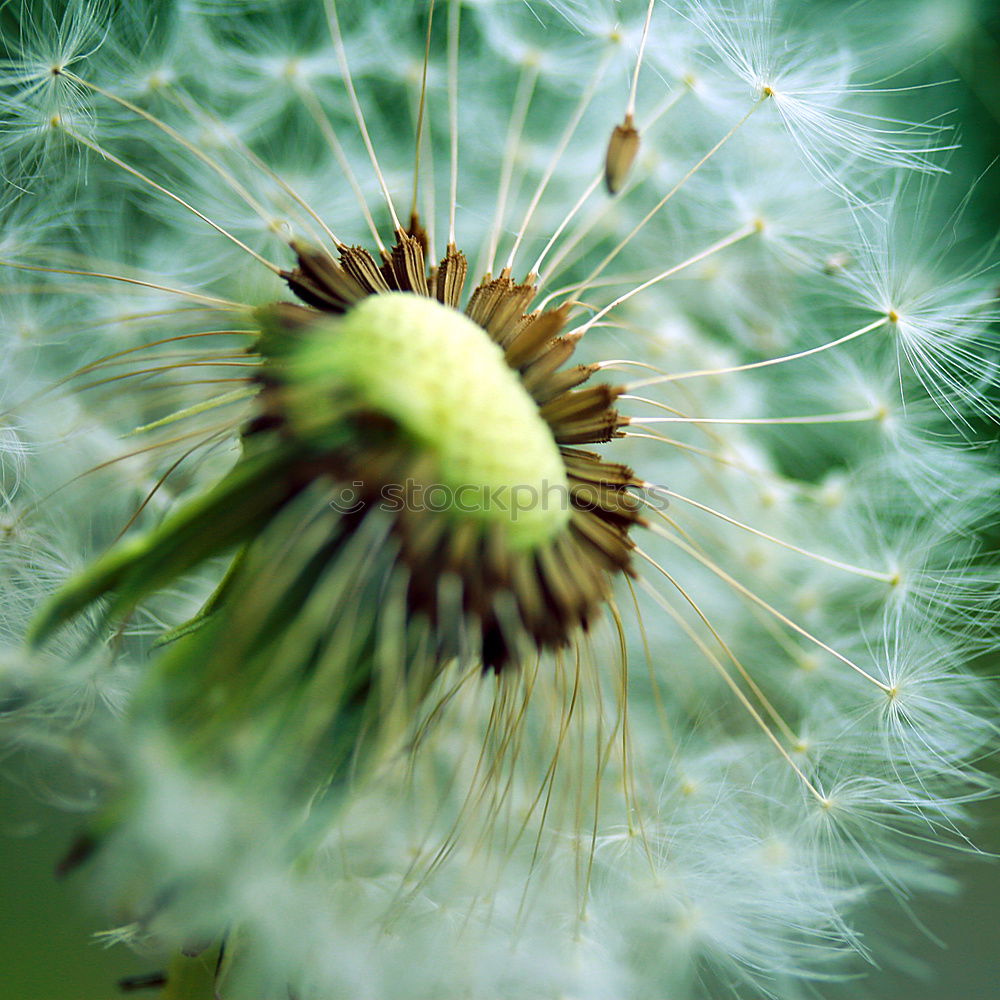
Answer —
623 146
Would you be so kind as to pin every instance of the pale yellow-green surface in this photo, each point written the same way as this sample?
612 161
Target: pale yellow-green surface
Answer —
437 374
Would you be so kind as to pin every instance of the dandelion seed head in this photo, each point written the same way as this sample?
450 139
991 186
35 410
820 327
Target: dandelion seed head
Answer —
733 704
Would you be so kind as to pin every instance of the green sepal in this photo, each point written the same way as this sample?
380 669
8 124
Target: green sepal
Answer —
210 607
223 517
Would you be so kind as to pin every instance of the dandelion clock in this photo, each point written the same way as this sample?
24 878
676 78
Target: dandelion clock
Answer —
496 496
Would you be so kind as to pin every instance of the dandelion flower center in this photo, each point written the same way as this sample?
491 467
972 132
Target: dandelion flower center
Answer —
440 377
457 431
467 422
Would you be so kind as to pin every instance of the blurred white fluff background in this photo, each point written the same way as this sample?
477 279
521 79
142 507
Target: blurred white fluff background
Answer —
801 723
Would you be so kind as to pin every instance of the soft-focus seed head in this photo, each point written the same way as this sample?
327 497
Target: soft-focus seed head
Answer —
775 852
808 663
159 79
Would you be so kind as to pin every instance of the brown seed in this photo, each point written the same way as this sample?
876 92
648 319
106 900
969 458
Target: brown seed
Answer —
623 146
